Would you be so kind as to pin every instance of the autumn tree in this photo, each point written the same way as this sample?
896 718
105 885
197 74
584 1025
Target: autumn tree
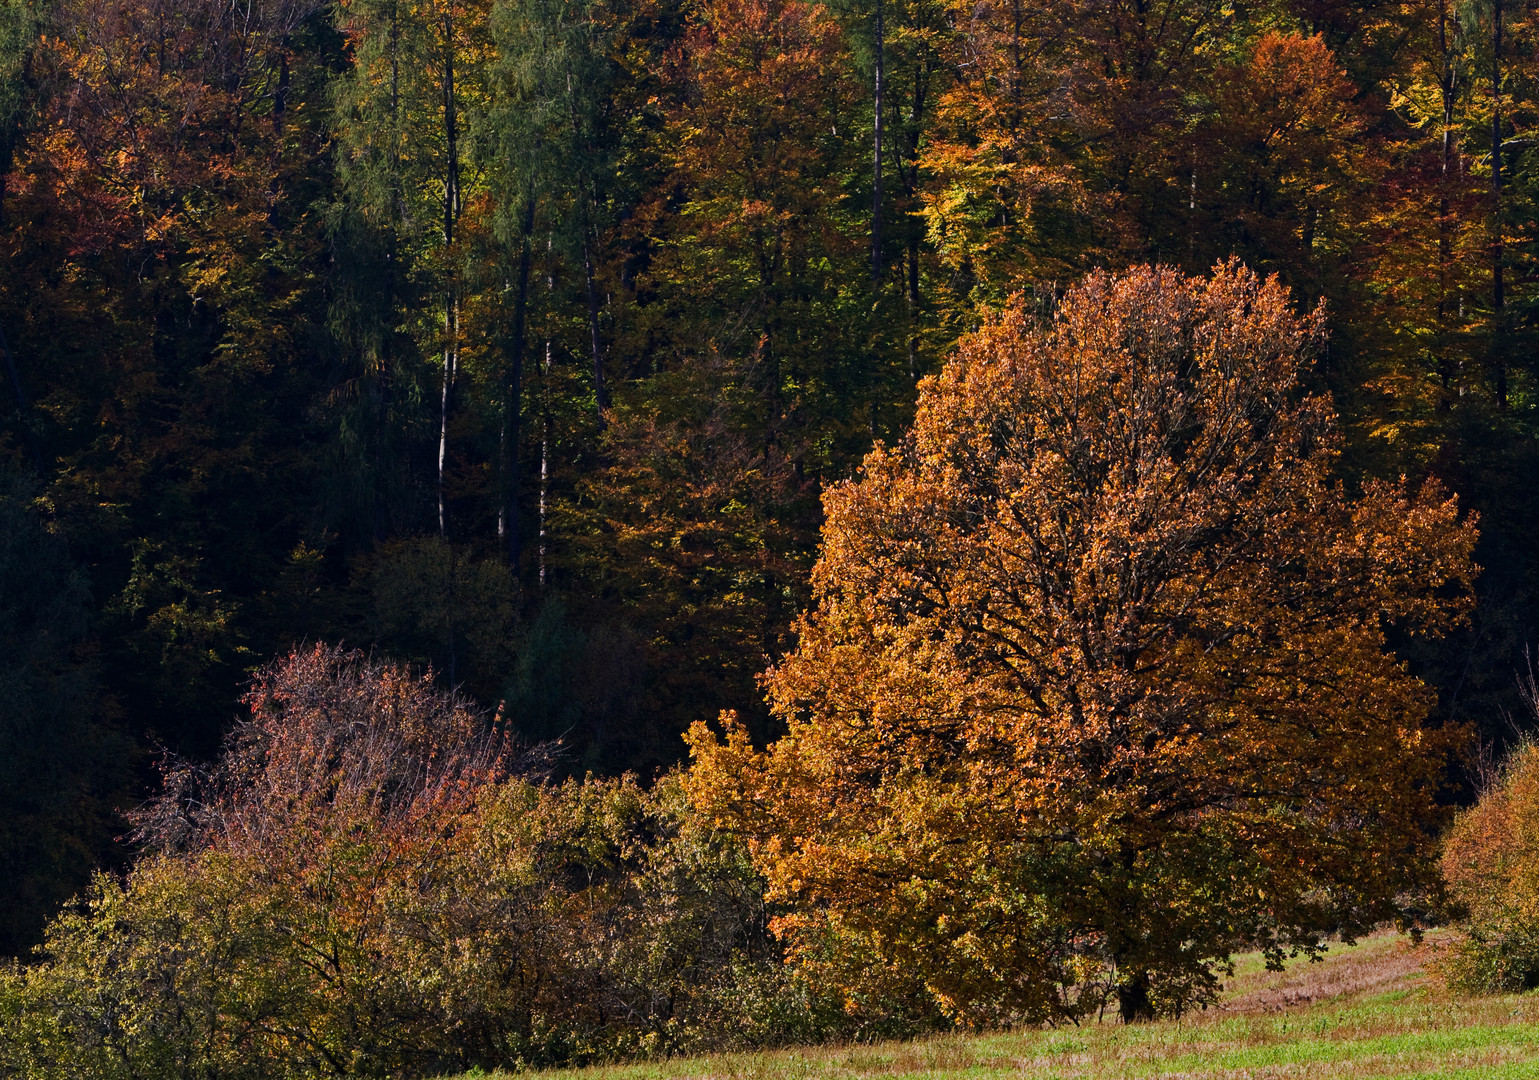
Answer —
547 158
707 533
1066 136
1003 193
1096 687
756 172
156 301
1491 862
1284 161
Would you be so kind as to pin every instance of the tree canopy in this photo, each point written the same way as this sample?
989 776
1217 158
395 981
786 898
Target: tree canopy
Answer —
1096 686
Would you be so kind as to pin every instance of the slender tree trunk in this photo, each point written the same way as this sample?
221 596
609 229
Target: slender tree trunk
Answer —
1444 223
910 179
513 403
1498 297
385 360
600 397
876 151
451 211
586 196
544 476
451 319
550 287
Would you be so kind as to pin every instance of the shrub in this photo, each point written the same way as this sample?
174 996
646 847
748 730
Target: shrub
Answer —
372 881
1491 864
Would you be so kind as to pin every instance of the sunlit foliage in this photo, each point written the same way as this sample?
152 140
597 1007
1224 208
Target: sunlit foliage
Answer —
1096 689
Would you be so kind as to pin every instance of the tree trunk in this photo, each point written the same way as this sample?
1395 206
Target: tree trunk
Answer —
1133 1004
544 478
451 330
1498 297
876 153
451 206
601 399
910 178
550 287
513 397
1444 223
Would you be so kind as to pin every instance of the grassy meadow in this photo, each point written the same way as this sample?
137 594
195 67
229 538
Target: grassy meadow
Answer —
1371 1010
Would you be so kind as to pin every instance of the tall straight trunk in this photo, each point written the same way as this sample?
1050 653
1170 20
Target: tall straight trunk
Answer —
1444 223
586 196
910 179
386 358
600 398
876 151
544 483
513 396
550 287
451 212
1498 297
451 320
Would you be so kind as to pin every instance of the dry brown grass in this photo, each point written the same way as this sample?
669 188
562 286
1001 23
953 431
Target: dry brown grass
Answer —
1379 962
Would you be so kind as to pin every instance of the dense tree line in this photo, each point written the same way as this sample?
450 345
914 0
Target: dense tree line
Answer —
1096 692
519 338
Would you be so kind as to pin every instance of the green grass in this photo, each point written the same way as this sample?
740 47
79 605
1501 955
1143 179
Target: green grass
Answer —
1372 1010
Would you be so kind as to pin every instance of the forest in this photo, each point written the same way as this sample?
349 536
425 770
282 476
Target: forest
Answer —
722 473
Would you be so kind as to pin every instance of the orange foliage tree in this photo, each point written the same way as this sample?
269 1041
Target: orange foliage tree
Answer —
1287 152
757 180
1096 689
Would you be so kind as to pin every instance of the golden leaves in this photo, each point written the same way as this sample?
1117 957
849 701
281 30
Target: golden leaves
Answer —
1103 635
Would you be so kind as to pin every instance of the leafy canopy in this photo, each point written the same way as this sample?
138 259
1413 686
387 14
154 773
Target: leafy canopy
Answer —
1096 687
